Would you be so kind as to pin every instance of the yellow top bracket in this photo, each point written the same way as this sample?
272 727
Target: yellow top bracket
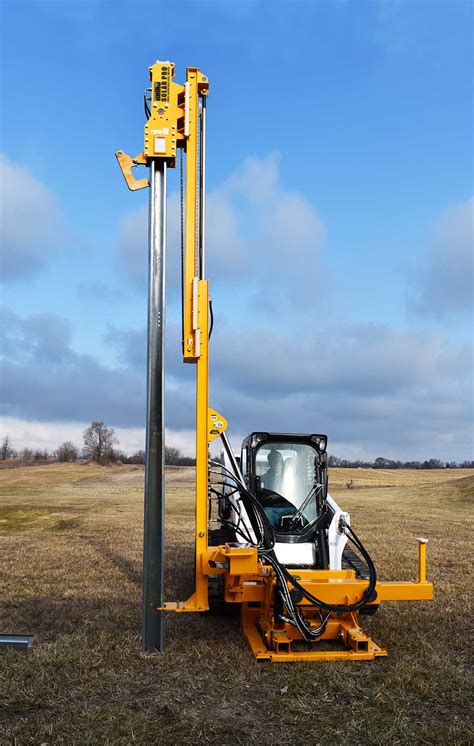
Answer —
164 129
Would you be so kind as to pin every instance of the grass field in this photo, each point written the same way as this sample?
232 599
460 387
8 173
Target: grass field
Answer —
71 556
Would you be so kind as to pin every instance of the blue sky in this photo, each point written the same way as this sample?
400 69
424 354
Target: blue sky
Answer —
339 230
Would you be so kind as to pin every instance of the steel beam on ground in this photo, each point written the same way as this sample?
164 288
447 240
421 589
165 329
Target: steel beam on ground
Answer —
18 642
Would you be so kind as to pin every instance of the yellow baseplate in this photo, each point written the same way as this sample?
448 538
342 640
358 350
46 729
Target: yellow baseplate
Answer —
280 645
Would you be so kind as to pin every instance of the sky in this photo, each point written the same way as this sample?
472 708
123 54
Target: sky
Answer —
339 224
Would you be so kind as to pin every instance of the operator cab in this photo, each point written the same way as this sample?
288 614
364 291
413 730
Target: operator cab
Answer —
288 475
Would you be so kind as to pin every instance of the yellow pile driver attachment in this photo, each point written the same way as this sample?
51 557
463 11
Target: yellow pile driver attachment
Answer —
272 636
290 610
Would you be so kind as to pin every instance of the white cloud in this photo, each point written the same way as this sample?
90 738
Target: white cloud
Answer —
257 179
43 434
282 238
31 223
132 245
369 387
445 280
363 359
372 389
259 233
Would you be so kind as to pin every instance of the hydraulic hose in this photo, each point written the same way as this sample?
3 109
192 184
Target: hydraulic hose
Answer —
267 553
369 593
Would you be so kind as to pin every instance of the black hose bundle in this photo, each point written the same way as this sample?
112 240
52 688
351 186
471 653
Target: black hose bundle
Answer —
368 595
265 536
260 524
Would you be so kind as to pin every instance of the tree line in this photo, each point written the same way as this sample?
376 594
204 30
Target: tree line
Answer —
385 463
100 444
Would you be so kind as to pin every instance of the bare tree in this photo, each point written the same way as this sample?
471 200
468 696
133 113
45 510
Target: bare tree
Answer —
99 441
118 457
67 451
137 458
6 450
173 456
41 455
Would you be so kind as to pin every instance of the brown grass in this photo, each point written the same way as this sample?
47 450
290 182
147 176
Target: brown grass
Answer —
71 548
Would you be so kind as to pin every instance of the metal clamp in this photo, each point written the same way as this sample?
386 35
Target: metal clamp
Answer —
126 164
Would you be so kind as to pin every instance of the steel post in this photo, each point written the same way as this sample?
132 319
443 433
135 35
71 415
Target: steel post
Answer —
153 539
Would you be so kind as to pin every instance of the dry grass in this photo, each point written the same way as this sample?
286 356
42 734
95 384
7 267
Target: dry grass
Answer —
71 543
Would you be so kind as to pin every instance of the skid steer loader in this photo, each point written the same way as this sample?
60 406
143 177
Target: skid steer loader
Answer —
288 474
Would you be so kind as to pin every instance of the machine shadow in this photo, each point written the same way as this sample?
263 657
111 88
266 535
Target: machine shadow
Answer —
130 569
49 617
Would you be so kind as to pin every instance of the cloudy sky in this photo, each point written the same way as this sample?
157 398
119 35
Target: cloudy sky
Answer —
339 220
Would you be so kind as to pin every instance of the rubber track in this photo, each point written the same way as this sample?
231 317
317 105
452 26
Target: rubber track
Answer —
350 561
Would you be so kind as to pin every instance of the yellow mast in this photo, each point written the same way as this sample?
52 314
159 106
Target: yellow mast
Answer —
176 119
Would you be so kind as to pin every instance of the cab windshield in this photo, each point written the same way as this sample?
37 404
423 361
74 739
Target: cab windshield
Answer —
286 485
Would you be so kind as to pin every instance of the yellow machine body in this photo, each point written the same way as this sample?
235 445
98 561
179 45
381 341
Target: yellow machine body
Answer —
174 123
253 586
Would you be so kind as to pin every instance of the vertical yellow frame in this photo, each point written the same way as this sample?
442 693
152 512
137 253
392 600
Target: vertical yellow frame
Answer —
196 323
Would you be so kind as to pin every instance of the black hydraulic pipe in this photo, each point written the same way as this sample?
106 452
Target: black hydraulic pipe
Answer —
323 550
231 457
